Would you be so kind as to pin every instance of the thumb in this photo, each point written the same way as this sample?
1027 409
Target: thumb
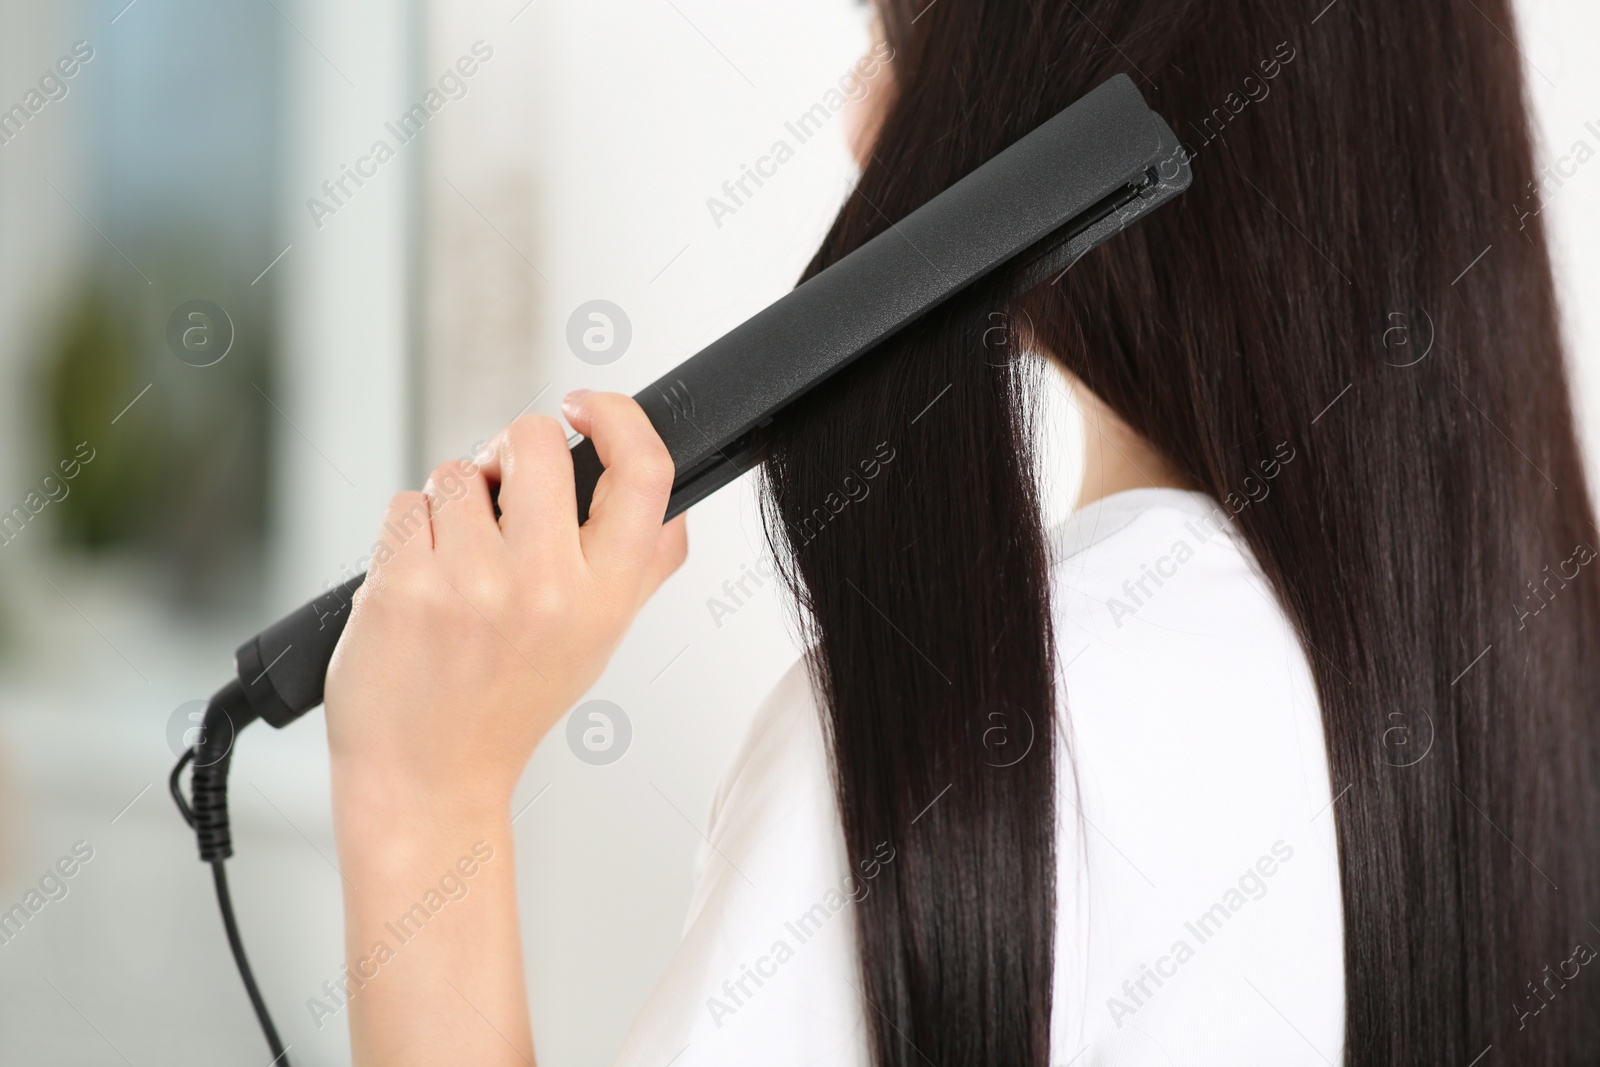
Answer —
672 547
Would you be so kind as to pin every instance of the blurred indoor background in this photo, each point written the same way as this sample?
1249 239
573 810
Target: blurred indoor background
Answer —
240 352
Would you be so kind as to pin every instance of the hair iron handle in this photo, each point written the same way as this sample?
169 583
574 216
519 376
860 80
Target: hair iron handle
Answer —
282 669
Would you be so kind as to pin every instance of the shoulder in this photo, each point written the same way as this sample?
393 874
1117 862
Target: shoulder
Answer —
1159 605
1164 621
782 758
776 794
766 968
1148 553
1197 794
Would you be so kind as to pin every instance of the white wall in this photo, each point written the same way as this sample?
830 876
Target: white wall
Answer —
344 437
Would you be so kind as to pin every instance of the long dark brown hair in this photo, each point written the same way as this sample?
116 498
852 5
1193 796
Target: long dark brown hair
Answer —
1352 273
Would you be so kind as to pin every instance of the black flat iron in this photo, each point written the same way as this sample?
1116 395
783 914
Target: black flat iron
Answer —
1080 178
1043 203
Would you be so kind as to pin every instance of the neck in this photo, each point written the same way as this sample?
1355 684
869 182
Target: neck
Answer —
1116 457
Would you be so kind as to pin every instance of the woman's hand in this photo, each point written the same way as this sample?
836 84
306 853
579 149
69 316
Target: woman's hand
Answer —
468 640
471 637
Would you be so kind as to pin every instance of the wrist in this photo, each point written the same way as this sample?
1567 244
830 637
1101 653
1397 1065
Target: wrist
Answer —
380 813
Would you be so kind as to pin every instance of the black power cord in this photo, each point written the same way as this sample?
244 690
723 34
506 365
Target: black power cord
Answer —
226 714
280 1055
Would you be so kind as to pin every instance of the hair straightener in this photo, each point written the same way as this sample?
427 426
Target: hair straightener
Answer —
1104 162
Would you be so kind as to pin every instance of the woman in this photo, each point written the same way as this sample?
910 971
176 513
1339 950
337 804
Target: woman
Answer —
1282 750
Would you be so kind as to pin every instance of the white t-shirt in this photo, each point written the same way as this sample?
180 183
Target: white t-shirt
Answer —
1198 908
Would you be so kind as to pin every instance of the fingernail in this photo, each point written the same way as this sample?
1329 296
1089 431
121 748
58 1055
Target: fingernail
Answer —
569 402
